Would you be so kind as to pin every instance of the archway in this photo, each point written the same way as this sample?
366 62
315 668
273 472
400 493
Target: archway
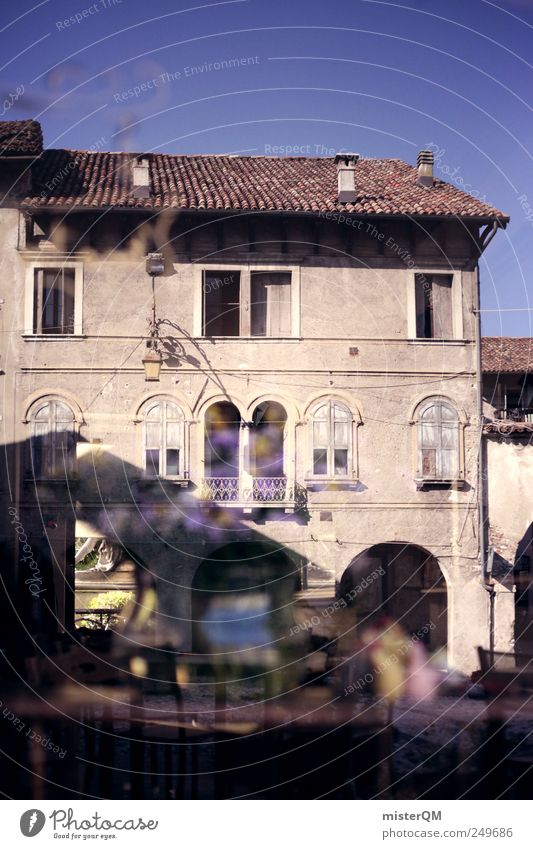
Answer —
222 427
267 440
241 599
403 582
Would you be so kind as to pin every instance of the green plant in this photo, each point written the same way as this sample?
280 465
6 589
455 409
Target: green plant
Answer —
113 601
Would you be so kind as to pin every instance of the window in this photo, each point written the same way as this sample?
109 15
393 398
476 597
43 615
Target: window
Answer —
163 427
253 301
270 307
222 303
53 300
331 424
52 443
438 441
433 295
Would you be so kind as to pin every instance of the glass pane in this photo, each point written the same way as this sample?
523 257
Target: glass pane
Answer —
322 412
152 461
429 414
429 462
154 412
63 413
320 434
320 462
173 434
341 461
449 464
449 436
174 412
429 435
448 414
340 412
173 461
43 413
153 434
341 434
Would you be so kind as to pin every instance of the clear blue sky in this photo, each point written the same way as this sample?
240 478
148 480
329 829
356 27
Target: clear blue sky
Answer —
380 78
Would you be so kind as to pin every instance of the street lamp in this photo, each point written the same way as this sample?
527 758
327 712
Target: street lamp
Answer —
152 360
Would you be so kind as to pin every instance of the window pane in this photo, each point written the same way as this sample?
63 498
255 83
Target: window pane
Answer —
320 462
341 461
447 413
173 412
341 434
173 461
429 462
221 303
320 434
430 435
152 461
173 434
153 434
154 412
449 434
449 464
429 414
341 413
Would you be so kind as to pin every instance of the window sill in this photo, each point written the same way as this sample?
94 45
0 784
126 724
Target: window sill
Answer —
250 338
440 483
53 337
315 484
423 341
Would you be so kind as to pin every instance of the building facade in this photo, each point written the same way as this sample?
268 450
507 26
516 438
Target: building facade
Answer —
508 461
312 416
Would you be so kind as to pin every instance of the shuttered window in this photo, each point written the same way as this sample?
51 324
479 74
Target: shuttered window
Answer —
331 434
270 306
163 440
438 435
52 443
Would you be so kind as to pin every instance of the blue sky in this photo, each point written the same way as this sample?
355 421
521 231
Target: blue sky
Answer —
380 78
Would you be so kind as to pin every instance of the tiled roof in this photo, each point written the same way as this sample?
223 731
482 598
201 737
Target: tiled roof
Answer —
93 180
20 138
507 428
507 354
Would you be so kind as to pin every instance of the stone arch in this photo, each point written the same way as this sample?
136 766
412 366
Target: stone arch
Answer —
403 582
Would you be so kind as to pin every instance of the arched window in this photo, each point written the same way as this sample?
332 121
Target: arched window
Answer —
52 443
438 441
163 439
332 440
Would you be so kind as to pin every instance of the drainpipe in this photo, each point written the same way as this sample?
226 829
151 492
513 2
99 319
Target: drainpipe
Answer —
486 576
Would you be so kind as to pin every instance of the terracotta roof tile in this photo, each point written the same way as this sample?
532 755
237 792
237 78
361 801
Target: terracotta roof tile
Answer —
20 138
86 179
507 354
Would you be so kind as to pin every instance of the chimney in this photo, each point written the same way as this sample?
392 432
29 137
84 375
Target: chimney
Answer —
425 168
346 163
141 178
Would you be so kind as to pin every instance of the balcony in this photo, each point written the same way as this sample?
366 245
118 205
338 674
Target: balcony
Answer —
514 414
248 492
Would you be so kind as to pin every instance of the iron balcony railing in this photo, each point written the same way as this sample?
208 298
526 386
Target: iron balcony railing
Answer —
252 490
515 414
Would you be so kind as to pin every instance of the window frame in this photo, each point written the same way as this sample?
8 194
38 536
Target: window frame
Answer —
353 422
456 305
142 419
29 301
245 270
459 424
31 419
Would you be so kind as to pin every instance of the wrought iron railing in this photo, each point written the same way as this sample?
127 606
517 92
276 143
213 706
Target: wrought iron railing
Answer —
279 490
515 414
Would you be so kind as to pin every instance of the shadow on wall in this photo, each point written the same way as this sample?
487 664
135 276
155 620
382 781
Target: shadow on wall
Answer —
161 527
